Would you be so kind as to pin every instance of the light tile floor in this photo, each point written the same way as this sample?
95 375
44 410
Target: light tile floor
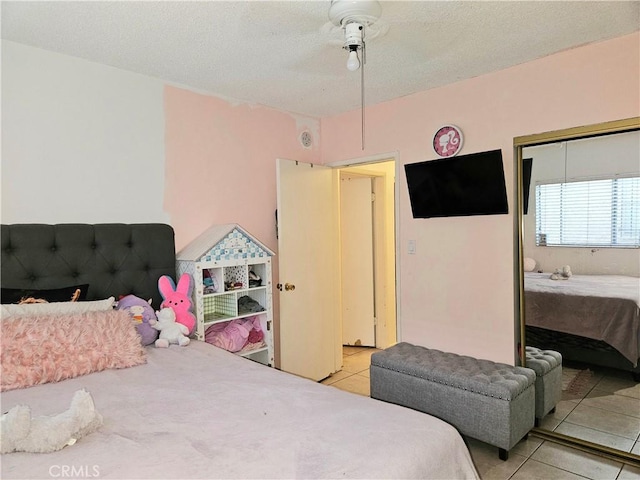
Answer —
535 458
606 411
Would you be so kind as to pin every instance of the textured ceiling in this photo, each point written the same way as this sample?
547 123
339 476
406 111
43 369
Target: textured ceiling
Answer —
285 55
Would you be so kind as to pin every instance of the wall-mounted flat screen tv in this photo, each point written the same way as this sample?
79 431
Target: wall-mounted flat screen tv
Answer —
460 186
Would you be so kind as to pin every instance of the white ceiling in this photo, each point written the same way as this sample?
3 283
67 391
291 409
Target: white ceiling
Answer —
284 54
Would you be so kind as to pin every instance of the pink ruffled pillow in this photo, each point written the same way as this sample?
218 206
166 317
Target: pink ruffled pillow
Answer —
42 349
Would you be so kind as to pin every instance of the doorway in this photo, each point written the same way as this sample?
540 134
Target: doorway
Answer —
310 326
367 258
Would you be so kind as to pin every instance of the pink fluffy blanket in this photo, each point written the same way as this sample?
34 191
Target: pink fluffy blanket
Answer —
45 349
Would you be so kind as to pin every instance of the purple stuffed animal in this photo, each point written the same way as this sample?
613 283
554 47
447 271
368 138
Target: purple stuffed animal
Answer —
141 312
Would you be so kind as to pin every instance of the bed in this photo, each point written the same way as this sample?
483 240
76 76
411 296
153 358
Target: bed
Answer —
593 319
199 411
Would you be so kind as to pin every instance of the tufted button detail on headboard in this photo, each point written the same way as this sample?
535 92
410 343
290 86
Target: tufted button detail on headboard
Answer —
112 258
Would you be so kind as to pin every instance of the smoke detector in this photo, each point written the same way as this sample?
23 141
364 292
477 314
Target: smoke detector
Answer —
306 139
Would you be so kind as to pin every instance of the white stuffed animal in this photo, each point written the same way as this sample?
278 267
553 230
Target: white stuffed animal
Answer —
562 274
170 330
19 432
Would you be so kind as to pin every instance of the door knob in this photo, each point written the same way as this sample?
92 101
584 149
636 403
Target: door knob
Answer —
287 286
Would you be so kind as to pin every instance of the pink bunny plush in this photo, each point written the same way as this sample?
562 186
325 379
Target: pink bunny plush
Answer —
178 298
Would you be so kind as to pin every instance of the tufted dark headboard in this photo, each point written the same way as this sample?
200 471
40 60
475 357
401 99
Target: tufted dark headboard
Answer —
114 259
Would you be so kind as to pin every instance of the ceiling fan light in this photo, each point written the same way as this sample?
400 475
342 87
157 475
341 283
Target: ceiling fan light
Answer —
353 35
353 63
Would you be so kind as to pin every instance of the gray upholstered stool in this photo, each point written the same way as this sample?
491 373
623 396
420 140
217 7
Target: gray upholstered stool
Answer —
548 367
492 402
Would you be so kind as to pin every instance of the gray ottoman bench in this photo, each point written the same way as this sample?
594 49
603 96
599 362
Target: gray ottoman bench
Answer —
488 401
548 367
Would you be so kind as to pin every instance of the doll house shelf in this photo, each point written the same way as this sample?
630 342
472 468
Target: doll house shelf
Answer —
232 280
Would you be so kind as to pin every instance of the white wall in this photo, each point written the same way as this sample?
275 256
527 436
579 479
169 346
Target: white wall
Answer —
585 158
81 142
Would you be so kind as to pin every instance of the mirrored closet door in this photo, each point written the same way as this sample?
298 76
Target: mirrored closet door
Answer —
579 239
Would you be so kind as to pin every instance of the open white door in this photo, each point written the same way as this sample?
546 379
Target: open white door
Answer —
310 341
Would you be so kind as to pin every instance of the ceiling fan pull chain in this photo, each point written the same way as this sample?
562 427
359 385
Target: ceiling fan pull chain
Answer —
362 98
353 16
364 61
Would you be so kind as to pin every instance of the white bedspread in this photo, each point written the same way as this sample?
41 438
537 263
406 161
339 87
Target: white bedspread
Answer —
602 286
201 412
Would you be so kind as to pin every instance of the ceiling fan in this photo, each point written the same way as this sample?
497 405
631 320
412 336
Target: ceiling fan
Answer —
353 16
356 17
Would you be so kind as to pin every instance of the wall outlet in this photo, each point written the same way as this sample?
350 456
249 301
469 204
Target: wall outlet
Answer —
411 247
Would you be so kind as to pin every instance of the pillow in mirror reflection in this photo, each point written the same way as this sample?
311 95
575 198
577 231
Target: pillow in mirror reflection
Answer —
529 264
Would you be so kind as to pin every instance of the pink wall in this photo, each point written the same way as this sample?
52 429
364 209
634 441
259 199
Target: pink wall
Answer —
457 292
220 162
221 166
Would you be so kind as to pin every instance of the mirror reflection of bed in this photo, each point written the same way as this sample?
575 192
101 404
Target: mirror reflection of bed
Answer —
581 233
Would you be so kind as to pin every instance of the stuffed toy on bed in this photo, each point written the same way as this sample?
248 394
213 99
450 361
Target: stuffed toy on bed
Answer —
141 313
170 330
562 274
178 298
20 432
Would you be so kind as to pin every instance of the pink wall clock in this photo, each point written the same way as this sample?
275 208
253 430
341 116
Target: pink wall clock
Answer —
447 141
